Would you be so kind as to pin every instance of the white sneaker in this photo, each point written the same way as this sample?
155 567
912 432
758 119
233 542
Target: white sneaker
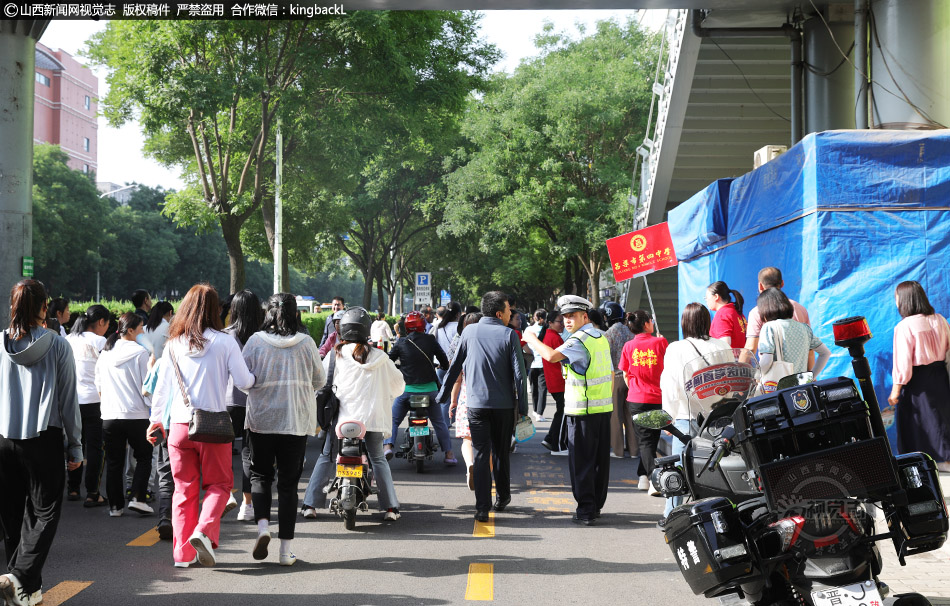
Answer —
391 516
186 564
202 545
115 513
246 512
287 559
260 545
140 507
231 504
644 483
541 419
308 512
559 453
614 456
12 592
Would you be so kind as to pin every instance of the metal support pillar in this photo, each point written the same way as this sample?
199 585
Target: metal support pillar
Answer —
861 62
17 66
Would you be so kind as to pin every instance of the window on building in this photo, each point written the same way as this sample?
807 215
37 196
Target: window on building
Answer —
88 102
85 143
42 79
85 167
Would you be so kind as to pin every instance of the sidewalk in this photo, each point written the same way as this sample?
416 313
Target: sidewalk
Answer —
927 573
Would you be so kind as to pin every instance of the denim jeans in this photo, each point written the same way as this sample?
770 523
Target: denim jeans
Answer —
677 448
322 470
401 408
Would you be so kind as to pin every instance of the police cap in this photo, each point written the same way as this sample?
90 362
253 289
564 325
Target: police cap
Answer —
569 303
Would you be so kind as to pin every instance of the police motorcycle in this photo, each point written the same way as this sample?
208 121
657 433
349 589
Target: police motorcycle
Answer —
418 445
783 486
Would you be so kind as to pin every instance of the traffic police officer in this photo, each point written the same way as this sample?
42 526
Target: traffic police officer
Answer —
588 403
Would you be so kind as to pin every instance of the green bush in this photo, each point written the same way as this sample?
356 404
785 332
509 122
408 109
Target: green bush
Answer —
316 322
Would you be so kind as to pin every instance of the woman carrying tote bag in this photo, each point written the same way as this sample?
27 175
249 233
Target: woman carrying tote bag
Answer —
783 339
201 358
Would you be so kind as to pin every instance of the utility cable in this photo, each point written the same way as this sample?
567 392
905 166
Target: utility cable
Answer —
747 83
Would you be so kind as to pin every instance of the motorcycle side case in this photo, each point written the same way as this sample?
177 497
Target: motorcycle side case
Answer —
923 520
709 559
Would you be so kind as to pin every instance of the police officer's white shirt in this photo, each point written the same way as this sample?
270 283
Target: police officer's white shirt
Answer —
575 352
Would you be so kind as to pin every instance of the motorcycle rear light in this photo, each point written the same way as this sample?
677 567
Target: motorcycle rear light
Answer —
788 530
418 421
342 460
917 509
912 475
733 551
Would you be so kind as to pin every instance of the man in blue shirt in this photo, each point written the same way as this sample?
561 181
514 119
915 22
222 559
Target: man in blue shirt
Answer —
490 355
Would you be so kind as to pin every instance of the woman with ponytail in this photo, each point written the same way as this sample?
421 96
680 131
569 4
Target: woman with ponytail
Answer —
87 341
728 323
38 414
120 373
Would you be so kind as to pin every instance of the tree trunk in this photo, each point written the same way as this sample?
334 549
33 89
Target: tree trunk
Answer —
380 298
368 274
231 228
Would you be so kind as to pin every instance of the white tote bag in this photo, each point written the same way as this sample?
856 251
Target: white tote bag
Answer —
779 369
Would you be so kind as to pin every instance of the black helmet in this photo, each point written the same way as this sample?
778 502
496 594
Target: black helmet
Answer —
354 325
613 311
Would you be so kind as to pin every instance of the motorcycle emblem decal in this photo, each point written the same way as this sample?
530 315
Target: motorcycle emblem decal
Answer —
801 401
722 390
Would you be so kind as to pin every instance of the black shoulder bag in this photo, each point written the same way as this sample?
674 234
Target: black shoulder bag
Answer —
328 405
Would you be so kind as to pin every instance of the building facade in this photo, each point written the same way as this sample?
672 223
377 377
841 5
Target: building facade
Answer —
65 102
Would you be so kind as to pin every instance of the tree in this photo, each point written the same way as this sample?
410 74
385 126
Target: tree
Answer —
209 93
69 224
553 147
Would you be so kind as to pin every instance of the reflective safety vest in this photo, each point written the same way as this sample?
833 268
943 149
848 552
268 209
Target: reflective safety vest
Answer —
590 393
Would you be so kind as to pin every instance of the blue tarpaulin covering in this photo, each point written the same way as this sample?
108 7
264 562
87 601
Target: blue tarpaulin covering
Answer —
846 216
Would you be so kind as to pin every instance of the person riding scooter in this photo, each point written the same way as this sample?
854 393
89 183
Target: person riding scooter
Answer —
414 353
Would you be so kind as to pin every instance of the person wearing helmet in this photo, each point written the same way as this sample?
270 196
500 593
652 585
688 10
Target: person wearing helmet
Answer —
588 404
333 338
415 352
366 381
621 423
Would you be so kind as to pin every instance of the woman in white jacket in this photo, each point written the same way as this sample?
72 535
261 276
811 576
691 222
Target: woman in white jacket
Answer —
696 342
206 358
367 382
156 329
281 413
120 373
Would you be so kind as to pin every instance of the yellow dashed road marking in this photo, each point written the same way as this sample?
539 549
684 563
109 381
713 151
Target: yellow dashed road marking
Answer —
63 591
146 540
485 529
481 584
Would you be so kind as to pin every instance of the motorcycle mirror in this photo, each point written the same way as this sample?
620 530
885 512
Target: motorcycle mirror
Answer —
800 378
653 419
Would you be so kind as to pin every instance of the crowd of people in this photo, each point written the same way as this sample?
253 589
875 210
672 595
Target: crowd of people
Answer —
160 400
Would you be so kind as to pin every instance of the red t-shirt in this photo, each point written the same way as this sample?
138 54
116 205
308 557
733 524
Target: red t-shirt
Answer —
729 326
552 370
642 362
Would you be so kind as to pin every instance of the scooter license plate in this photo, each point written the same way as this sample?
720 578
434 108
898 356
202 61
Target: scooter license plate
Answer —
849 595
349 471
418 431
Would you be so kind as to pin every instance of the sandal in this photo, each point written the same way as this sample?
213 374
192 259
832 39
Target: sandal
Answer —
72 495
94 500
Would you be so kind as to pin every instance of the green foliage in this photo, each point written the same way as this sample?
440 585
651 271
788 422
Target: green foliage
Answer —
315 324
69 224
551 152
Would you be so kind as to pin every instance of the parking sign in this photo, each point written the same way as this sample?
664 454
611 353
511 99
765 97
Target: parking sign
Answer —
423 294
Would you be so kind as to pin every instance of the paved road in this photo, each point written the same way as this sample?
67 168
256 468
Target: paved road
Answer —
435 554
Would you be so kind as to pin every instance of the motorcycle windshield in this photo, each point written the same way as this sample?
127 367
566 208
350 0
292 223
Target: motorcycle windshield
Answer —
717 377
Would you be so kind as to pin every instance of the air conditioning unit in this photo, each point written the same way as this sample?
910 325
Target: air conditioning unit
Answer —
767 154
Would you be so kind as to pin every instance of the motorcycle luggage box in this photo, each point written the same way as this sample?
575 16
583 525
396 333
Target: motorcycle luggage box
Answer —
419 400
923 519
707 543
